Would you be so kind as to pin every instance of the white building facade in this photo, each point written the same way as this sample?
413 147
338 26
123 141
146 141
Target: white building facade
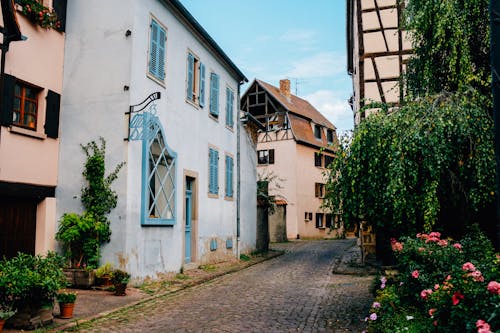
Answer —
178 194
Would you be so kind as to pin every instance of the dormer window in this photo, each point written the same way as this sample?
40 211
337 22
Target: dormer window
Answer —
329 136
317 132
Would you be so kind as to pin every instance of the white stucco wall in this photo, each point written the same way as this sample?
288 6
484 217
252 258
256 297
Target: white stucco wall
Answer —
101 60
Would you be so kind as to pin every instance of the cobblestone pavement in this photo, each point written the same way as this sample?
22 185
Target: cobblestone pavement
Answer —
295 292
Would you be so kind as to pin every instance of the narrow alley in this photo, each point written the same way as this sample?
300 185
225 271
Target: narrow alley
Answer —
295 292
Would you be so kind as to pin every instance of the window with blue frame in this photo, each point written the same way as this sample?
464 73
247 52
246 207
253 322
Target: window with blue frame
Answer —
229 107
229 176
157 41
214 95
213 171
195 92
159 182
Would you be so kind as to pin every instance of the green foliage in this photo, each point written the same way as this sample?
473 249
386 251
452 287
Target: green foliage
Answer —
428 165
97 197
442 286
66 297
82 235
103 270
119 276
31 279
451 46
39 14
267 186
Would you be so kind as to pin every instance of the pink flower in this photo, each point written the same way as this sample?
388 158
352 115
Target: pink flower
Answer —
436 286
421 249
396 246
435 234
373 316
376 305
468 266
431 312
483 327
457 297
415 274
457 246
494 287
477 276
425 293
443 242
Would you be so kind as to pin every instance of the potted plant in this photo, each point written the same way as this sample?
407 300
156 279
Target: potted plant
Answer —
5 313
39 14
66 300
103 274
30 283
120 279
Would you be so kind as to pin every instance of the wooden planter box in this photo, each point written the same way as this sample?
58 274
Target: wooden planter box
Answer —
80 278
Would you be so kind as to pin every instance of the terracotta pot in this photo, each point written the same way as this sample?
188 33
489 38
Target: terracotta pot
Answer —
120 289
66 310
2 322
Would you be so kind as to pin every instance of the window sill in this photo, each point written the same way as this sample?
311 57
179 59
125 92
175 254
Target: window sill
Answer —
231 128
158 222
193 104
213 117
157 80
320 228
229 198
213 195
27 132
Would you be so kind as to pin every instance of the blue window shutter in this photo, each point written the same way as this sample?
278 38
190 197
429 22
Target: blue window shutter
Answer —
229 176
161 53
190 76
214 94
153 49
229 107
213 170
202 85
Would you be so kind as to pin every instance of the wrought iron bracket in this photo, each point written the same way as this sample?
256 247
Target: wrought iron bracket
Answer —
140 107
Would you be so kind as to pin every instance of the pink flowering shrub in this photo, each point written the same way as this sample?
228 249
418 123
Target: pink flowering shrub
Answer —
441 286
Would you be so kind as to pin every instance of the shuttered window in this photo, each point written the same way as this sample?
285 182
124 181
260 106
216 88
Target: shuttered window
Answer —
157 41
190 77
229 107
229 176
214 94
201 100
213 181
52 114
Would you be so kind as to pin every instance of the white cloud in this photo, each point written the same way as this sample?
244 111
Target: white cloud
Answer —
299 36
334 107
319 65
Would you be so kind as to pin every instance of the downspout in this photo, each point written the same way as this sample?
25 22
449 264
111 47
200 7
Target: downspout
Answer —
238 172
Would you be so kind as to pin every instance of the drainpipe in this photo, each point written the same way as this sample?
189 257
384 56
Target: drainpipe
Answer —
238 173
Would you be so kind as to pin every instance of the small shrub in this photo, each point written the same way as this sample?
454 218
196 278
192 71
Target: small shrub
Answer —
120 277
66 297
442 286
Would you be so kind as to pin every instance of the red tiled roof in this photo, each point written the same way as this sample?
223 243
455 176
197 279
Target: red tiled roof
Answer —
297 105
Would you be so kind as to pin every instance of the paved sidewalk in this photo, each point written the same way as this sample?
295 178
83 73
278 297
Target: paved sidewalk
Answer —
92 304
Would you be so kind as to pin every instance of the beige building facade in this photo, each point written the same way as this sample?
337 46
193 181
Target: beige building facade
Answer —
29 133
294 147
378 49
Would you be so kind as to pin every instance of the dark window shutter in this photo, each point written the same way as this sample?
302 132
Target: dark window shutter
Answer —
60 8
52 114
271 156
7 100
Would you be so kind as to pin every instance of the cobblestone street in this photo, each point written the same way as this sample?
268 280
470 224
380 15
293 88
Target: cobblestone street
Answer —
295 292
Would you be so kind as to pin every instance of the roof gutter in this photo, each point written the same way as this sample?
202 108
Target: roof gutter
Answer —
193 24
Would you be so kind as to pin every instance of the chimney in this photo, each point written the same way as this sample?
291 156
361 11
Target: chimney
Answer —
285 88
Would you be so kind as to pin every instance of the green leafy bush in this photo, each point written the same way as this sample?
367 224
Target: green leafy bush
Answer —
442 286
27 279
120 277
66 297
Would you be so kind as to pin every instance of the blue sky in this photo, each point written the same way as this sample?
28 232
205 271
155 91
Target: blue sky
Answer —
303 41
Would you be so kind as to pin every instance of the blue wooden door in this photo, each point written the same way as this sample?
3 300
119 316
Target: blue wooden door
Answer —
189 207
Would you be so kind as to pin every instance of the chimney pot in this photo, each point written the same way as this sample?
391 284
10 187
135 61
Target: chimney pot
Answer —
285 88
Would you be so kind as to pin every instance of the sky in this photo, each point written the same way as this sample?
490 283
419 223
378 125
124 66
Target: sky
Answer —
303 41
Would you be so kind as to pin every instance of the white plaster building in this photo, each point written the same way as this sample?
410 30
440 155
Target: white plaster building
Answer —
178 194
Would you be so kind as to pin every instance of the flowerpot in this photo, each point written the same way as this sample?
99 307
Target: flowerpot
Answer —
80 278
120 289
2 322
66 310
104 281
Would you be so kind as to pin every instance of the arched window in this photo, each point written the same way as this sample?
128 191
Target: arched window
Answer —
158 192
